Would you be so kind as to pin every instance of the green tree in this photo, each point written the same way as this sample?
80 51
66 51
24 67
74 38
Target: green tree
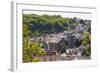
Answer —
26 31
86 41
32 49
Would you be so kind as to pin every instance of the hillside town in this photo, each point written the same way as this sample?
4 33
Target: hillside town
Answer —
64 45
55 38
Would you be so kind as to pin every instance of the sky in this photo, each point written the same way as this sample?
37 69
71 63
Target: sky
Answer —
63 14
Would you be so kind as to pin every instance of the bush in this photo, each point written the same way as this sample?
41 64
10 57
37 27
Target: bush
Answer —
36 59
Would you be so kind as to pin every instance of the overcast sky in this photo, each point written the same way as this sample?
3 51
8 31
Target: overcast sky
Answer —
70 15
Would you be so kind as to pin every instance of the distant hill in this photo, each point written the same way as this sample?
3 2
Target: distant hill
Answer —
46 24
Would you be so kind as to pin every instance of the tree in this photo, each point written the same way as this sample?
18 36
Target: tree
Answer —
86 41
26 31
32 49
